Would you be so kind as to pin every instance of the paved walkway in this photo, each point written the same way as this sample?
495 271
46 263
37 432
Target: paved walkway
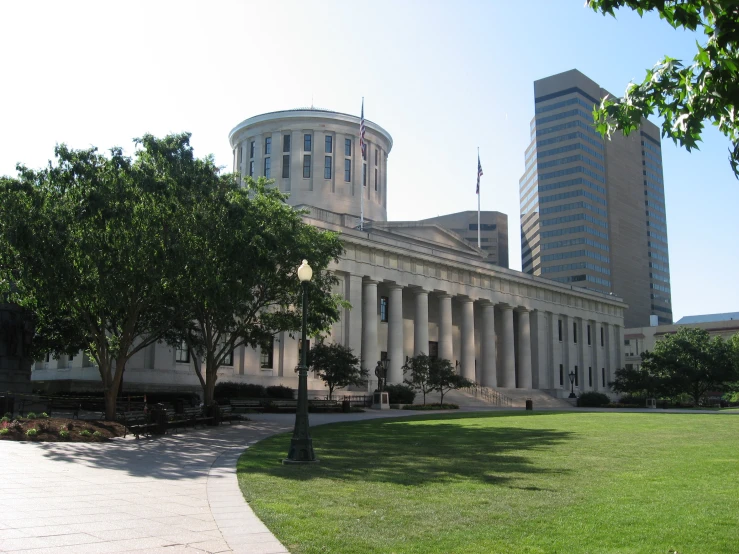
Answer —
170 495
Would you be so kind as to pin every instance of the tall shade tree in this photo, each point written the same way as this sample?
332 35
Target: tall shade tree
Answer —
336 365
89 245
686 96
691 362
243 245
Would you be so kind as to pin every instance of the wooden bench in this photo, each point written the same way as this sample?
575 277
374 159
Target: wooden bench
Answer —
253 405
284 405
190 416
227 414
138 422
64 404
324 405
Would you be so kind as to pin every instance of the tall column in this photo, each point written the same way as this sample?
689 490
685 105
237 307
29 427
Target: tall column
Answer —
524 350
421 323
594 358
489 372
468 339
395 335
446 351
508 373
370 352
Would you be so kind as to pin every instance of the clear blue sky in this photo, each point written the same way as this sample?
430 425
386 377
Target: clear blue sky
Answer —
443 78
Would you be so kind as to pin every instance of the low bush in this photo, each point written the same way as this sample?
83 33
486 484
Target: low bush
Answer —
63 433
70 426
637 401
431 407
85 433
4 431
8 415
280 391
32 432
98 435
43 415
4 419
593 400
227 389
31 415
400 394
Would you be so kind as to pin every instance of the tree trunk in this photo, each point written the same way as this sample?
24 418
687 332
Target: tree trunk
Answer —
330 392
210 386
441 401
110 405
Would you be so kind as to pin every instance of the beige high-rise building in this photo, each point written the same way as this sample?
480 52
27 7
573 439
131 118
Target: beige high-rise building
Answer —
493 232
593 210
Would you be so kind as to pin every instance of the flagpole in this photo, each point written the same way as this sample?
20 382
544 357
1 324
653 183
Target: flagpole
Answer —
478 202
361 166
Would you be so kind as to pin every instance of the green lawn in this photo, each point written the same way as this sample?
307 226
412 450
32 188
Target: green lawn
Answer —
506 482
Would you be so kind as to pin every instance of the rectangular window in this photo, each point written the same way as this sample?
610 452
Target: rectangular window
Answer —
268 145
383 308
602 337
286 166
574 332
375 178
329 145
307 142
267 167
577 377
327 167
603 376
559 329
306 166
251 148
364 175
347 147
588 335
590 376
182 353
251 168
228 359
433 350
377 156
561 375
286 143
347 170
265 354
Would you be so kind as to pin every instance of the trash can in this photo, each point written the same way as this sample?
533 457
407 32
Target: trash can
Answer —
529 404
346 406
158 416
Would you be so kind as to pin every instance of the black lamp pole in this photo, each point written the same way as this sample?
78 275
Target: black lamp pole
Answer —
572 384
301 444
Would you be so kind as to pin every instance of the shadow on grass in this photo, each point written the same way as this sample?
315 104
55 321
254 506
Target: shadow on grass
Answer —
411 453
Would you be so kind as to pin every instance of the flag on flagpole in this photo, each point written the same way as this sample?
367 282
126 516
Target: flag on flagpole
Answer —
362 145
479 174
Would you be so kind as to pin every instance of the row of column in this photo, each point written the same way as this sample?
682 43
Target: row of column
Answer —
488 371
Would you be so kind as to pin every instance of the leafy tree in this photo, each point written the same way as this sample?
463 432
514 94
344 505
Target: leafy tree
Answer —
685 96
691 362
243 245
637 381
336 366
89 244
419 370
443 377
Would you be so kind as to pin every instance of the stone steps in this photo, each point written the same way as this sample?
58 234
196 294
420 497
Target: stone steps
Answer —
518 397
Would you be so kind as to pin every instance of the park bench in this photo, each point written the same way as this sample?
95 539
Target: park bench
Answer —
317 405
64 404
227 414
138 422
190 416
284 405
253 405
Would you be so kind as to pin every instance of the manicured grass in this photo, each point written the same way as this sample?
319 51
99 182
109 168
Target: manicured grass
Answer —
506 482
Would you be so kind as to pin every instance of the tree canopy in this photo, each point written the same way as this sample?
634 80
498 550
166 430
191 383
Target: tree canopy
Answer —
336 365
685 96
428 374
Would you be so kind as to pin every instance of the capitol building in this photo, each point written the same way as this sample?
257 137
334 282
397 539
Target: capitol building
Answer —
413 286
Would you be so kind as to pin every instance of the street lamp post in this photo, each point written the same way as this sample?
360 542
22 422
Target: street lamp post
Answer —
301 445
572 384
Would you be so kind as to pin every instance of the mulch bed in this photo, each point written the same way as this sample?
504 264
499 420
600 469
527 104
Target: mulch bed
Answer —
48 429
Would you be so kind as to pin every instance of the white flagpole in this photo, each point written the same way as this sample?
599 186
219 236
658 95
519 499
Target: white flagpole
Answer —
361 166
478 198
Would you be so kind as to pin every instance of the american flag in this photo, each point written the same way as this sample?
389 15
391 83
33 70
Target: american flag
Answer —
362 145
479 174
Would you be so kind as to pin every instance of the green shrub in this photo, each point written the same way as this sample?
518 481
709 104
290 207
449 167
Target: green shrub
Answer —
32 432
43 415
280 391
85 433
8 415
4 419
63 433
635 401
4 431
98 435
400 394
593 399
227 389
70 426
431 407
31 415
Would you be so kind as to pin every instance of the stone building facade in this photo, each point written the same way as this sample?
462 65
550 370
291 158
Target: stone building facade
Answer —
413 286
